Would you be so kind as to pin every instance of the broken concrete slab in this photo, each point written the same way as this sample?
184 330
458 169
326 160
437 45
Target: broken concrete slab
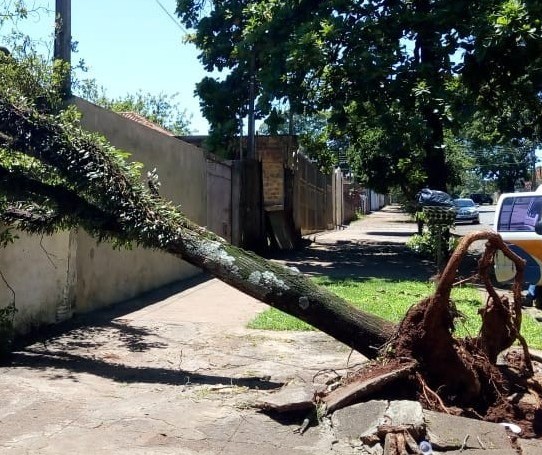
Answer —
404 412
291 397
362 427
354 391
367 424
449 433
530 446
350 422
479 451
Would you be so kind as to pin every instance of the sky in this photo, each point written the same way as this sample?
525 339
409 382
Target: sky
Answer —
130 45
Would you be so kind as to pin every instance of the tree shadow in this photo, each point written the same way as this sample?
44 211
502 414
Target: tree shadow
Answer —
390 233
83 329
134 339
54 348
66 364
360 260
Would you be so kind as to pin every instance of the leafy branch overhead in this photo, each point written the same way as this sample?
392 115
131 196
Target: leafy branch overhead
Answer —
409 88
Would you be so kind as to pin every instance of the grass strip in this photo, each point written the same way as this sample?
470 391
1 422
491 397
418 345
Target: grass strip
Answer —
391 299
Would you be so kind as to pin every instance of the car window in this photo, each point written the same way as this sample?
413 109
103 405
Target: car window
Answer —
519 213
463 203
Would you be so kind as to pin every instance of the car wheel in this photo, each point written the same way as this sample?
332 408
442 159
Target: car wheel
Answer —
476 222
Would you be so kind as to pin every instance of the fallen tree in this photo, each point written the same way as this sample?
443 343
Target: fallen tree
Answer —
54 175
61 176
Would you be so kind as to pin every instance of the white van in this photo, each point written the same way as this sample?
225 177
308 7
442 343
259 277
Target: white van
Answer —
518 219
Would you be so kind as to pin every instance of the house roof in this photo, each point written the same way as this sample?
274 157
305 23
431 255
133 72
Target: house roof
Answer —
135 117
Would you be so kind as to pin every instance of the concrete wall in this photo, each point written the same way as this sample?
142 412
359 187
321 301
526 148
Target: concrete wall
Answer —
41 271
107 275
69 272
181 167
376 200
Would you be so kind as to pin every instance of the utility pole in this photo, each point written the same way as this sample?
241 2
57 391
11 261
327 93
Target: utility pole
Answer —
63 38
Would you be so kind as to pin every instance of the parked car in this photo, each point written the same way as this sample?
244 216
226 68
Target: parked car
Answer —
466 210
481 198
518 220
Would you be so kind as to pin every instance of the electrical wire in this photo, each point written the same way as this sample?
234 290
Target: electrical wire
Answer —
171 17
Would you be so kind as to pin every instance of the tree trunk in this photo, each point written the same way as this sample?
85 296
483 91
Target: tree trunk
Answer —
109 204
430 58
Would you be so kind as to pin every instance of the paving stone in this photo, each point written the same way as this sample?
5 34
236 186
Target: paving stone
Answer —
403 412
530 446
480 451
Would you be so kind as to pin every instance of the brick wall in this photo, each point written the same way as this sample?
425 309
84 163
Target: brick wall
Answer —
274 153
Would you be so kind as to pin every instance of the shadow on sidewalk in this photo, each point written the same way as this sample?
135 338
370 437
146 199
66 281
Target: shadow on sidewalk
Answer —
359 260
82 345
105 319
66 365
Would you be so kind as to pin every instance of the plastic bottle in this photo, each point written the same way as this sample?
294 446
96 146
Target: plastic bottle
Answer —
425 448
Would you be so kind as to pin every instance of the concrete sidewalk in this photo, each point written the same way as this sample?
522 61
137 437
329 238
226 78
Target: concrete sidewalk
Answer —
176 371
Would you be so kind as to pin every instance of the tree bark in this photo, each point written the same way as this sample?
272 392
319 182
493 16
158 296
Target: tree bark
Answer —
113 205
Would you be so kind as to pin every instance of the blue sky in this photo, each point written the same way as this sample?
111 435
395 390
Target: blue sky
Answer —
131 45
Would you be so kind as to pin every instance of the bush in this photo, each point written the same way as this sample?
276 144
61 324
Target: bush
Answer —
434 241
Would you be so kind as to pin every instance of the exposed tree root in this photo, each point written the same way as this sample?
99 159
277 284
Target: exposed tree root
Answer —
461 376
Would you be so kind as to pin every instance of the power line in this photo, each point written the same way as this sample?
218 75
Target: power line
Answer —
172 17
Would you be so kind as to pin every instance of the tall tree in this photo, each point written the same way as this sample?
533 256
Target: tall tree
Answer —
380 68
386 71
502 79
508 166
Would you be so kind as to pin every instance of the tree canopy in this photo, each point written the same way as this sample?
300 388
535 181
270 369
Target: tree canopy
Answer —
398 80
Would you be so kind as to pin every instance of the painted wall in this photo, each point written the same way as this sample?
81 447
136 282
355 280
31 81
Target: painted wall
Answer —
41 271
56 276
106 276
181 167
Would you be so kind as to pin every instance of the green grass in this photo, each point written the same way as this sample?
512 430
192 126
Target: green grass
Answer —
391 300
